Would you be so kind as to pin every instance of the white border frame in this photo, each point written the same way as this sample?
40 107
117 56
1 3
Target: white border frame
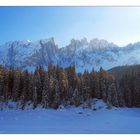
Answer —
69 3
109 3
69 137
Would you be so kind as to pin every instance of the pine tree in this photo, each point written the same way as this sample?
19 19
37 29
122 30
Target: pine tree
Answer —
38 84
63 83
135 89
127 91
72 76
120 96
46 92
11 78
25 91
1 102
5 86
34 97
57 100
109 96
76 98
16 89
96 86
70 95
114 95
102 84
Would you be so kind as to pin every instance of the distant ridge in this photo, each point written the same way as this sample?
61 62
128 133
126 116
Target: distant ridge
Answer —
85 55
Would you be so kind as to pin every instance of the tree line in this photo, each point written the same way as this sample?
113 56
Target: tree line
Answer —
63 86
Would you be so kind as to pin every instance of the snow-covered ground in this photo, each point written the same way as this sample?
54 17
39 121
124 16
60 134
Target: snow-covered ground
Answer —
71 120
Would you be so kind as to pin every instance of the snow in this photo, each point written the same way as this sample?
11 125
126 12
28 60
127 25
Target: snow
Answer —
29 41
85 55
71 120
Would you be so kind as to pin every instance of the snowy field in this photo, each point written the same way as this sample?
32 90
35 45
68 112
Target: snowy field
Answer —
71 120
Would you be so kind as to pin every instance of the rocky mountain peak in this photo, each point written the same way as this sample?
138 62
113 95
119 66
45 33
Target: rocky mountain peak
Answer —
84 54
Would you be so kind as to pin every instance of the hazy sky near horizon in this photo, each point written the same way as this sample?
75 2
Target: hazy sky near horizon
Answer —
120 25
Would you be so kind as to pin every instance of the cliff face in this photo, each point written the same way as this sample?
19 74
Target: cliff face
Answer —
84 54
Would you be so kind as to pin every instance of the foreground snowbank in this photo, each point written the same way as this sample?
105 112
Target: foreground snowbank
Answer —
71 120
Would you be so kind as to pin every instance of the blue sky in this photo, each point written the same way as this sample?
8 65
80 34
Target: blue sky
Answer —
120 25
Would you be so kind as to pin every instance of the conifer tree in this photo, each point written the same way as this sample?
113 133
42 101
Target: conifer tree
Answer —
76 98
102 84
35 97
46 92
16 89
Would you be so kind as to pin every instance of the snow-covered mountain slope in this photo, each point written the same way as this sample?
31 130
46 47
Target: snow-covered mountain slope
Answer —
26 54
84 54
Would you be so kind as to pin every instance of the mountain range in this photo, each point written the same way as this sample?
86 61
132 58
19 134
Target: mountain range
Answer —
85 55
